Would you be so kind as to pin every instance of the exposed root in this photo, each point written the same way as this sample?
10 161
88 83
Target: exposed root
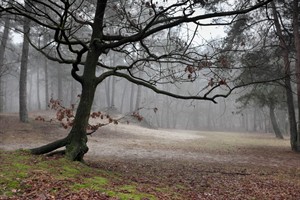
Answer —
50 147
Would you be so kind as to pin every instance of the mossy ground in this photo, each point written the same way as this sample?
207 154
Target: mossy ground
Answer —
143 165
24 176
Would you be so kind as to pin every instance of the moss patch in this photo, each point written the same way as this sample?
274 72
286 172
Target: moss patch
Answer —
26 176
13 169
95 183
127 192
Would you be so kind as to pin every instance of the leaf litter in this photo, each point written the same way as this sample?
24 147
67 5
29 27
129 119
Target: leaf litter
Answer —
165 164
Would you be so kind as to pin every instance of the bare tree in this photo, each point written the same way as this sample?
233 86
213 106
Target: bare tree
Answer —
81 38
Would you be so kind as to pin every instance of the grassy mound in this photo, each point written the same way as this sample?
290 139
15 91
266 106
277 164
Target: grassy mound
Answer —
23 176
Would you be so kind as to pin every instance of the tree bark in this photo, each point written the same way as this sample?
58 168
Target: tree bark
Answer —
297 64
287 81
275 126
2 52
76 141
23 113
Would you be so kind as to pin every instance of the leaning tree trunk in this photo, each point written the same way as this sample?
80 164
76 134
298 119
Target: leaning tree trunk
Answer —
275 126
77 138
76 141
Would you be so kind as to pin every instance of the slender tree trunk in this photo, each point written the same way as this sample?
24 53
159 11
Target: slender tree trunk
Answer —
167 106
30 105
123 97
113 88
38 88
113 83
254 119
2 52
131 97
107 92
59 83
47 99
297 64
287 80
208 117
23 113
138 94
275 126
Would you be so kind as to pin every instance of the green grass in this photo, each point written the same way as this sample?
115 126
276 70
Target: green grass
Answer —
12 170
20 171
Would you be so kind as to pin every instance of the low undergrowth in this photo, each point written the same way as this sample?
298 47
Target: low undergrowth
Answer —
24 176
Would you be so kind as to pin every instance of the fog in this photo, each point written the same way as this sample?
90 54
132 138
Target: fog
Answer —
120 96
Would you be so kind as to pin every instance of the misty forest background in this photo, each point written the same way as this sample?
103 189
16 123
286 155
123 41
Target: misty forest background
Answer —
245 43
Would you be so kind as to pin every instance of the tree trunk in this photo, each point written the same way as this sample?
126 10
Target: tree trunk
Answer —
31 105
208 117
113 88
73 92
59 83
2 52
38 88
255 110
107 92
276 129
123 97
287 81
131 97
77 138
23 113
138 94
76 141
47 99
297 64
113 83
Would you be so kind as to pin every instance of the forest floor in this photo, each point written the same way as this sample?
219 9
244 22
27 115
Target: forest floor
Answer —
155 163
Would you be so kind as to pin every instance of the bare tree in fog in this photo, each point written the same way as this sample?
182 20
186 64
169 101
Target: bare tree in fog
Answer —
139 30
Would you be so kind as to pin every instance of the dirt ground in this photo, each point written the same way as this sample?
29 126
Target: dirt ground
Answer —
125 141
211 164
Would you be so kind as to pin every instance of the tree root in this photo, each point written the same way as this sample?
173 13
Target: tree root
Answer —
50 147
61 152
